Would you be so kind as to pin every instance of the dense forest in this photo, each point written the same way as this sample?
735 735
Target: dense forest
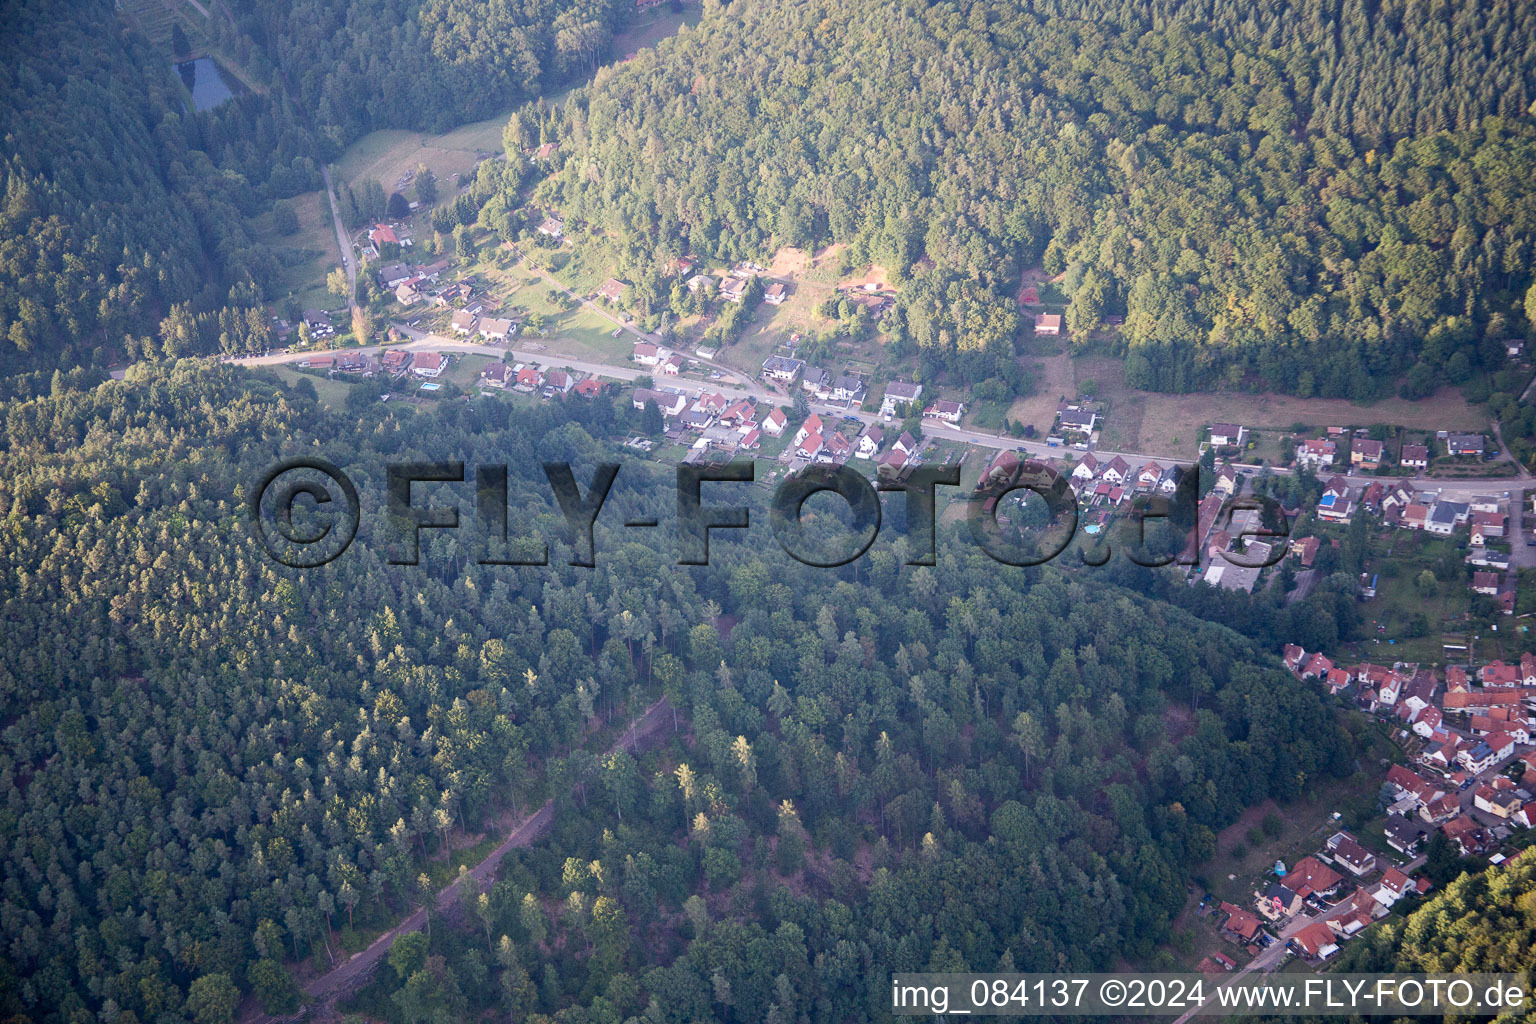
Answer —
112 211
213 766
1316 196
120 203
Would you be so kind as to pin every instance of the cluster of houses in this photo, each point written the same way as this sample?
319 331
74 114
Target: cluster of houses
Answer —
1366 454
715 424
352 362
660 359
412 283
1475 723
469 321
733 286
427 365
1343 884
529 378
820 440
1400 504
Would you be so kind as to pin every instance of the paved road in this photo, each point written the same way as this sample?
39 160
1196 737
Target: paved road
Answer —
323 992
343 243
436 342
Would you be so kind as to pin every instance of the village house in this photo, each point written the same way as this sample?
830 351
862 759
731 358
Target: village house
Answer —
1403 835
428 364
383 234
1465 444
1394 886
808 445
647 354
869 443
671 366
1240 926
1311 876
1316 453
1345 851
775 422
1078 417
943 409
1415 456
1115 471
529 378
848 388
812 425
319 323
1086 469
589 388
496 375
899 391
1228 435
463 322
495 329
1316 941
1226 481
669 403
391 274
1047 325
775 293
1485 583
552 227
733 289
612 290
1365 453
782 368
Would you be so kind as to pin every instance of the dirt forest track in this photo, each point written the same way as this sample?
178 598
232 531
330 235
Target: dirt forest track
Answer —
321 994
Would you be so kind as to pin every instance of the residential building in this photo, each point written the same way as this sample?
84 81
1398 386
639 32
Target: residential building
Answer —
463 322
1465 444
949 412
495 329
782 368
1415 456
899 391
775 422
1047 325
1316 453
775 293
428 364
1365 453
1228 435
1345 851
612 290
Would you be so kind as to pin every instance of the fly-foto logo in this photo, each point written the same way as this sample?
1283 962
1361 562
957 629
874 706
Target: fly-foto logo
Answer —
306 512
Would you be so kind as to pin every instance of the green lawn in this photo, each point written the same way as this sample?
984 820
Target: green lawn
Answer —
332 392
306 257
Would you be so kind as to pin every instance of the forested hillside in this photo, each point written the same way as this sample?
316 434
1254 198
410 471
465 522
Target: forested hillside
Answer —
1322 194
212 766
119 203
110 213
425 64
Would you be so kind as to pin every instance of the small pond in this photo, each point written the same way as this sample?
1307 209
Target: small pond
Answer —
208 83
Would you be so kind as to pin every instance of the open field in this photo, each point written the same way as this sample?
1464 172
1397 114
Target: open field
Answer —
1166 424
389 154
306 256
332 393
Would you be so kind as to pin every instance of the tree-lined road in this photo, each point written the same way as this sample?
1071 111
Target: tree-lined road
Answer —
346 977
